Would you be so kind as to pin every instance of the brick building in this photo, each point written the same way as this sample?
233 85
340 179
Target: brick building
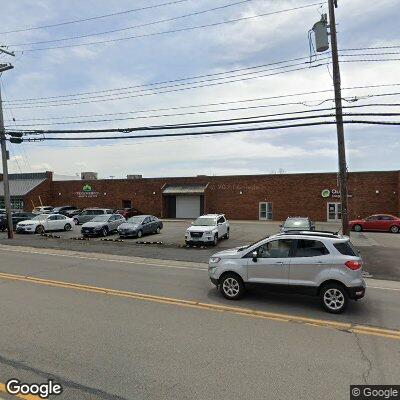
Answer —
270 197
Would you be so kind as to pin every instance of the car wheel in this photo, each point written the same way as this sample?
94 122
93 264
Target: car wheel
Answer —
215 241
67 227
139 234
39 229
104 232
158 230
231 286
394 229
357 228
227 234
334 298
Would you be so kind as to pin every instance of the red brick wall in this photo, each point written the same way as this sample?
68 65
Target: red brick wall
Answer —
291 194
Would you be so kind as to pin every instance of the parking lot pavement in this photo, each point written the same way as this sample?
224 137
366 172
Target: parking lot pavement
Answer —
380 251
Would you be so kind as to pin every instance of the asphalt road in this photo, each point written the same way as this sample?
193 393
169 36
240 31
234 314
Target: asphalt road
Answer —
159 330
380 251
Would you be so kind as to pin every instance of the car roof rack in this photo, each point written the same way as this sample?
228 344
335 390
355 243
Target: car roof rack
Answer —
311 233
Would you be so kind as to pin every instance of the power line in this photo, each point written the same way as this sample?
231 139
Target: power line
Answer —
206 124
202 133
93 18
371 48
167 91
229 119
162 82
168 31
131 27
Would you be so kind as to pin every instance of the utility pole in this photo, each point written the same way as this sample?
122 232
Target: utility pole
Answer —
7 199
339 119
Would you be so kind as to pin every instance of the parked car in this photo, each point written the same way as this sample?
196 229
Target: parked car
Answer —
128 212
102 225
297 224
89 213
64 210
45 222
42 210
140 225
379 222
72 213
16 217
208 228
317 263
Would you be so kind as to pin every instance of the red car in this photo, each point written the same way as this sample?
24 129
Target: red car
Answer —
379 222
128 212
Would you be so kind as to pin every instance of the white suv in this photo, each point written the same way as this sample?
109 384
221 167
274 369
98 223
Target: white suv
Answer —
208 228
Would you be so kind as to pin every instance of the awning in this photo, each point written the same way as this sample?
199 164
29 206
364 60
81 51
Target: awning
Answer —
185 189
20 187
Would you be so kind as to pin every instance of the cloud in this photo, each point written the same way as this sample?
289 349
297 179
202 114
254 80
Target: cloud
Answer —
167 57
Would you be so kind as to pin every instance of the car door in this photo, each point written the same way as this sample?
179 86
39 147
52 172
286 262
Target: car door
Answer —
221 225
309 261
146 225
51 223
371 223
272 262
385 222
61 222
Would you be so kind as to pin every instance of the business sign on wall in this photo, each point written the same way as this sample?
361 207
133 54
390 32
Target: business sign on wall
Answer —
327 193
87 191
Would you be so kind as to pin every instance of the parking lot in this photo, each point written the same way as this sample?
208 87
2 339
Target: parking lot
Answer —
380 251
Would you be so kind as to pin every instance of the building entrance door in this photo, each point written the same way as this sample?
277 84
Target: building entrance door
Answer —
334 212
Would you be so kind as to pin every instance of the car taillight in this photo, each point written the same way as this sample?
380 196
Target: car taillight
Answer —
354 265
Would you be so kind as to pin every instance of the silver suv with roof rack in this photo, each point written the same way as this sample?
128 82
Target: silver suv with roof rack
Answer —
323 264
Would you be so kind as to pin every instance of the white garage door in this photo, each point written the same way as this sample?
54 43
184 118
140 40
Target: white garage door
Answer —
187 206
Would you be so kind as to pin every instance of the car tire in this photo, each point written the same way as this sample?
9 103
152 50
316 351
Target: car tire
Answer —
104 232
139 234
394 229
334 298
358 228
158 230
227 234
39 229
231 286
67 227
215 241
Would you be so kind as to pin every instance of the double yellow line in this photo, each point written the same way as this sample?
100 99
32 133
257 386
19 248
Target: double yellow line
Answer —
342 326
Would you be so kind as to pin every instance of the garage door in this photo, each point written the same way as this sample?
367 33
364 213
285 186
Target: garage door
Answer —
187 206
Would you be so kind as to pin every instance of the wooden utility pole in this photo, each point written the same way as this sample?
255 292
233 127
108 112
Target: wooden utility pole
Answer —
339 120
7 198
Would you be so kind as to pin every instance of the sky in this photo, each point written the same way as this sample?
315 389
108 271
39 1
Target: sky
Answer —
150 58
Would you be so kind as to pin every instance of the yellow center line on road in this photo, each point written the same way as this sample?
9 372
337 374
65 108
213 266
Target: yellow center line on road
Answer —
19 396
342 326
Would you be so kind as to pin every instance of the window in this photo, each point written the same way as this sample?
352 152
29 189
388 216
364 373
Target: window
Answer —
60 217
147 220
372 218
275 249
97 212
265 211
221 220
346 249
385 218
310 248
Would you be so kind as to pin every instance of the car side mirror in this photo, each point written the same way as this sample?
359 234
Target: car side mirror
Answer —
254 255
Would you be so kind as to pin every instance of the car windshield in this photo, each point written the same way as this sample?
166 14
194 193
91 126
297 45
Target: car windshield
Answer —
204 222
135 220
100 218
296 223
41 217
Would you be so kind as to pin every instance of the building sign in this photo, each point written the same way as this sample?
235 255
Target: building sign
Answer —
326 193
87 191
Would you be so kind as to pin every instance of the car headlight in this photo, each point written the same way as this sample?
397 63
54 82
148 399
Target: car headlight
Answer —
214 260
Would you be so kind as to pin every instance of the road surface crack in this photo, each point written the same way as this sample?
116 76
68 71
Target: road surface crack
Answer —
364 357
